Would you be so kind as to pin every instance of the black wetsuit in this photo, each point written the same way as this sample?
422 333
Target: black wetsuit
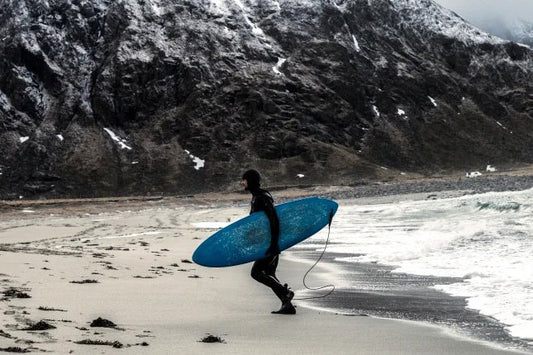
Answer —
264 270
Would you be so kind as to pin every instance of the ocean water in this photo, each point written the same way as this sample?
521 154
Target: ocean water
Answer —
486 239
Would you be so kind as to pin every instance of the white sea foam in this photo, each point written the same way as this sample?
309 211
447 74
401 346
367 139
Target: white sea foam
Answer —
486 239
133 235
210 225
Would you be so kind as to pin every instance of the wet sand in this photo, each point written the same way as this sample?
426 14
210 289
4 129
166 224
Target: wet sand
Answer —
373 289
128 262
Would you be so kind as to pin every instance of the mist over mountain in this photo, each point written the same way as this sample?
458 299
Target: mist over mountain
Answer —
511 20
110 97
512 29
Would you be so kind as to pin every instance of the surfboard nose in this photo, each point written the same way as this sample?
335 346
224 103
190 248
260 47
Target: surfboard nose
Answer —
199 255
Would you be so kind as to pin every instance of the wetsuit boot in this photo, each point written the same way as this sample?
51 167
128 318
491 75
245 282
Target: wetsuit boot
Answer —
286 305
286 308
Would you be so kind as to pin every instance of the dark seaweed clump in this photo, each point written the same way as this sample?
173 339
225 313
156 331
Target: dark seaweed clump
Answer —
104 323
115 344
42 325
212 339
14 349
84 282
15 293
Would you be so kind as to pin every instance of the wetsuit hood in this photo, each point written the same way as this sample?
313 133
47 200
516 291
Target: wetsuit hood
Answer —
254 180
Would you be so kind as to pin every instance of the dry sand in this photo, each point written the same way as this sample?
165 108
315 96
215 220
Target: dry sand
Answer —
138 253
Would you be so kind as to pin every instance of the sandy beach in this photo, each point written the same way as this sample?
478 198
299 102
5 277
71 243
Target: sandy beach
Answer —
128 262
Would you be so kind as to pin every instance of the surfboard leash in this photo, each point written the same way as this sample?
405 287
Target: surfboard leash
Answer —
315 264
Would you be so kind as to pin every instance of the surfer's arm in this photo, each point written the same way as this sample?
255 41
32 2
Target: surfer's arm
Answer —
274 228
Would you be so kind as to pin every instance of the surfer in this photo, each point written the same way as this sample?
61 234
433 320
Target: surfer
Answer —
264 270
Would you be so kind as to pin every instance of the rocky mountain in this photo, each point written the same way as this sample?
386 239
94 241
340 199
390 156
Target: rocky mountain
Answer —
108 97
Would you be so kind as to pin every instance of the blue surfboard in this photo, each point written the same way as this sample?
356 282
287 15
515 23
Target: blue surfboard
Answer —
249 238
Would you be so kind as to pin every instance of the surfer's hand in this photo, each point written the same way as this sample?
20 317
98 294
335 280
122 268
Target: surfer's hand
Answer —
272 250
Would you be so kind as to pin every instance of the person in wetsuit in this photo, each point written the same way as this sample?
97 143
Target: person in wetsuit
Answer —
264 269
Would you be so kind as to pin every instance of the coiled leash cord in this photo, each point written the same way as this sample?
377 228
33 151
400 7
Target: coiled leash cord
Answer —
315 264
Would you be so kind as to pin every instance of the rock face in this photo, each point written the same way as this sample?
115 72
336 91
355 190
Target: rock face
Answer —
145 96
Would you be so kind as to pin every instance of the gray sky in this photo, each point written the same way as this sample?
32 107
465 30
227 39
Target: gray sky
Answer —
478 10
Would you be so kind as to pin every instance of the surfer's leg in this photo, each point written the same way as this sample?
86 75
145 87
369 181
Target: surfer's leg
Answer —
271 270
261 272
272 266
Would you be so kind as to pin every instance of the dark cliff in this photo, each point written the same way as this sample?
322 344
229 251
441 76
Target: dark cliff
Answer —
137 96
